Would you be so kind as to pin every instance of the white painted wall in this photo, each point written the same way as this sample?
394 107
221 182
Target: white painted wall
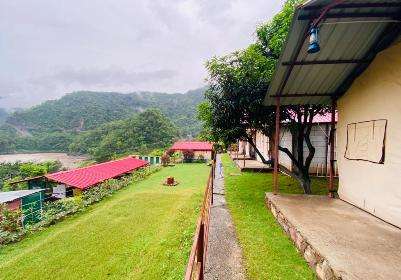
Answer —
262 142
285 142
318 139
376 94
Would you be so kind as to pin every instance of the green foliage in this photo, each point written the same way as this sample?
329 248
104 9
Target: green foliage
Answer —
54 125
157 153
3 115
238 84
10 219
144 231
188 154
140 133
82 111
165 159
268 252
11 229
7 143
272 35
10 172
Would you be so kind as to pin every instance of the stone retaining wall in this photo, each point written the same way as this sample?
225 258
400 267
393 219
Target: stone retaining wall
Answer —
312 256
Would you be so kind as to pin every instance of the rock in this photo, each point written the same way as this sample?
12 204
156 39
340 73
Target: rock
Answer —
324 271
310 256
301 243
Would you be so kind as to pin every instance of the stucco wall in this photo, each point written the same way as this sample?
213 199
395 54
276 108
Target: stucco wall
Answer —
205 154
262 142
285 142
376 94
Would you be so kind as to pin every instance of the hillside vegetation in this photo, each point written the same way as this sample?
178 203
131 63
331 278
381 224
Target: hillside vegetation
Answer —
78 117
84 110
140 133
144 231
3 116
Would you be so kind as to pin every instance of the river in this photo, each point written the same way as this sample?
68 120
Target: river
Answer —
66 160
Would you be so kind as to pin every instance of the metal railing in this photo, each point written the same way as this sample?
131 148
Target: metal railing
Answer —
197 257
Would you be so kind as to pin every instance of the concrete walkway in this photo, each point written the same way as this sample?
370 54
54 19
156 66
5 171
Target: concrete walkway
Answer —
224 256
339 240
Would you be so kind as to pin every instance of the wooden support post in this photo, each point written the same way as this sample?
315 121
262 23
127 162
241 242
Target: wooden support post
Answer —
331 143
276 144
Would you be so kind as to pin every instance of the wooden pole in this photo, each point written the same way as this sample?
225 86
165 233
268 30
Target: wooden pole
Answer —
332 134
276 143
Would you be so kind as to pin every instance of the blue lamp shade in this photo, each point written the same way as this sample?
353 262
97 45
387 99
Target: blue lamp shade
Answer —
313 40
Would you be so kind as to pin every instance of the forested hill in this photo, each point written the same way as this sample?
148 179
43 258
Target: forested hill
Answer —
80 111
3 115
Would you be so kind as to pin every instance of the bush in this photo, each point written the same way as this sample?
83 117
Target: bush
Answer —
188 154
10 220
165 159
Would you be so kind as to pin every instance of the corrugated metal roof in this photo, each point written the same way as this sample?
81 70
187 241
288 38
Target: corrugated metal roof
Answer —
13 195
192 145
348 37
85 177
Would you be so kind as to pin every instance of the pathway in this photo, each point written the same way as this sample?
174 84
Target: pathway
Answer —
224 256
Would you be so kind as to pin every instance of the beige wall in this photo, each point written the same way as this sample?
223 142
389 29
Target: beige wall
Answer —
376 94
205 154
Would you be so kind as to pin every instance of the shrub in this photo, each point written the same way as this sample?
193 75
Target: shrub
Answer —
188 154
165 159
234 147
10 220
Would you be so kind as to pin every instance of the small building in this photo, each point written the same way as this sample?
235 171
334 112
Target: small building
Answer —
200 149
29 202
73 182
319 137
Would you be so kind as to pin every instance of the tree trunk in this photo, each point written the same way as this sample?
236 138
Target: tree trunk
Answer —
306 184
269 162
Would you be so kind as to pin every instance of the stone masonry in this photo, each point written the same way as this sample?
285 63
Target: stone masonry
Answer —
315 260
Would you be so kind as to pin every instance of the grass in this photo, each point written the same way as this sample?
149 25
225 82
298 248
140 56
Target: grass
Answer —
144 231
268 252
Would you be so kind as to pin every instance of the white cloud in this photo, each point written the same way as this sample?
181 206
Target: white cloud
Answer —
48 48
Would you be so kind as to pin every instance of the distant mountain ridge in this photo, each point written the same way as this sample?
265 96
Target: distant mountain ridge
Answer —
86 110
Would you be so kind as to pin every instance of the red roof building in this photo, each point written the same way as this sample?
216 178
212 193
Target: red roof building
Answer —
192 145
83 178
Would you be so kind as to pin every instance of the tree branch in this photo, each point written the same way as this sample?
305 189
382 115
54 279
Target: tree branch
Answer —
290 155
250 141
311 149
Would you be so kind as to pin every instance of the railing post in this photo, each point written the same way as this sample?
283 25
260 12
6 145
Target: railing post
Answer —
199 253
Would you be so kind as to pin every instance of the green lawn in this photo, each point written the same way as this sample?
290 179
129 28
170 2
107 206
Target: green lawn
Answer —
268 252
144 231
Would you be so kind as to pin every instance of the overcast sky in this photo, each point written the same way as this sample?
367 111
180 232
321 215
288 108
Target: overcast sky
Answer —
49 48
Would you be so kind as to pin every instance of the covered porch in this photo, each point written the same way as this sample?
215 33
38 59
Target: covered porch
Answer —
338 239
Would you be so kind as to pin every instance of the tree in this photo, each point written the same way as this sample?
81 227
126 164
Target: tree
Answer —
141 133
238 83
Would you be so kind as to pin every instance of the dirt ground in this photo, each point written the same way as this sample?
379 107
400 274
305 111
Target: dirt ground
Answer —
66 160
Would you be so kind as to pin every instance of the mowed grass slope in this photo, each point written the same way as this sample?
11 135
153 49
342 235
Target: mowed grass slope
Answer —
268 252
144 231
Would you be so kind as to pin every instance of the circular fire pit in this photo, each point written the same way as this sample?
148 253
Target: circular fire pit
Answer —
170 181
